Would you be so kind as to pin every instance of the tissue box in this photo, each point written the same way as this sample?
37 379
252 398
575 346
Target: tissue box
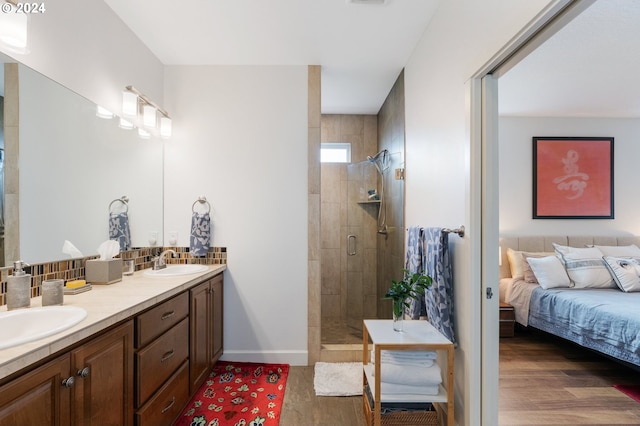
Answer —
103 271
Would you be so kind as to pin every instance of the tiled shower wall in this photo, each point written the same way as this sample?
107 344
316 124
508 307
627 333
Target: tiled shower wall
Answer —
391 137
348 283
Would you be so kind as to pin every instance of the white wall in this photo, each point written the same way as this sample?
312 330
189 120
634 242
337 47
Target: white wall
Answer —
240 139
462 36
516 175
83 45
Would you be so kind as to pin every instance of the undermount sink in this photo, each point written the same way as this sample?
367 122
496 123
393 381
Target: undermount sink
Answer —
26 325
174 270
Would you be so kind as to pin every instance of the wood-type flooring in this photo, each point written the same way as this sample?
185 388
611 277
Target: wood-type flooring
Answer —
543 381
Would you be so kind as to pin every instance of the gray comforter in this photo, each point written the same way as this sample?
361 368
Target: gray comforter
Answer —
606 320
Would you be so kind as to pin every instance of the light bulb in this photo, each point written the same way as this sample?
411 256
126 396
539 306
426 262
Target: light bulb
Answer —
165 127
143 133
129 104
102 112
13 31
125 124
149 116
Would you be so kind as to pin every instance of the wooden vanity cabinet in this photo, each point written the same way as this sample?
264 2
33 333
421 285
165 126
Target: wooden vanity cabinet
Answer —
206 329
103 388
38 397
161 361
142 371
91 384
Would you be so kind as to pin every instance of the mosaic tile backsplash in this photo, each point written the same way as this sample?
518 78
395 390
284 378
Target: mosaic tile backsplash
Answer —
73 269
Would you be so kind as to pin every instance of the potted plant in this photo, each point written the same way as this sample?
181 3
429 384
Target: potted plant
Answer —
412 286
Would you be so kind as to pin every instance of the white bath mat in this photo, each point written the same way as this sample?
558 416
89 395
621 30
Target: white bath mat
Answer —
338 378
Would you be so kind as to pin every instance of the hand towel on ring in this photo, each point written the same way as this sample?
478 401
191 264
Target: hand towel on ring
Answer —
200 234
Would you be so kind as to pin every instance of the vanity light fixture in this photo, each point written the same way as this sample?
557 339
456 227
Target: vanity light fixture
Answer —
143 133
149 116
134 102
165 127
13 28
102 112
129 104
125 124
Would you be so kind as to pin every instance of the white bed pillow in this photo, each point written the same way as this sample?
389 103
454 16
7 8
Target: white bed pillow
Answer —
517 264
585 267
620 251
549 272
625 271
527 272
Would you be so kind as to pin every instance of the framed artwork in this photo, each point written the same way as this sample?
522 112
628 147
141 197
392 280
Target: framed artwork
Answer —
572 178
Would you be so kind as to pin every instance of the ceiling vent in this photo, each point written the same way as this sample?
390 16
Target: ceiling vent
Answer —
375 2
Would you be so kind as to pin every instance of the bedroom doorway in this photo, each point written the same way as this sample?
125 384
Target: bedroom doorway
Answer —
484 124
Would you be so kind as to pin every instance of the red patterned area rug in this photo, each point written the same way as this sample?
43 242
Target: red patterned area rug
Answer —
633 391
238 394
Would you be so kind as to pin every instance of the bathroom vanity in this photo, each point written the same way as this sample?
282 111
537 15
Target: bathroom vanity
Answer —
145 347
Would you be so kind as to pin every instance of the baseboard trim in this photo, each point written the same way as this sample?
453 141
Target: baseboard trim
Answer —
297 358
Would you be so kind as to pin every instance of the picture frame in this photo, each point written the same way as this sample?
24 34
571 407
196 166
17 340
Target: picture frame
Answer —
573 178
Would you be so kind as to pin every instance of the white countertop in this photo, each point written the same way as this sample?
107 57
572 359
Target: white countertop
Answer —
106 305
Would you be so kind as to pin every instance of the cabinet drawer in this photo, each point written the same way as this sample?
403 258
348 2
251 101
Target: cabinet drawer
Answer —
160 359
156 321
166 405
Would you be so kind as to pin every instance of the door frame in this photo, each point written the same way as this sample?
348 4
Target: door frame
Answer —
483 119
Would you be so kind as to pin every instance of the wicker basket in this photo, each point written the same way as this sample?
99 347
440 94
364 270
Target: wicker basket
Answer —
405 418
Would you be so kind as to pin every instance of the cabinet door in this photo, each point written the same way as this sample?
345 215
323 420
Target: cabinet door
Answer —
217 298
38 397
199 333
103 393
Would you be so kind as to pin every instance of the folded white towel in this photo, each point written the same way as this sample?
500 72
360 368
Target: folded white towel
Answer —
396 389
392 357
416 355
410 375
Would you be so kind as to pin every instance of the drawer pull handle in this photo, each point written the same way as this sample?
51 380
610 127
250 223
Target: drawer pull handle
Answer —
168 355
84 372
167 315
165 409
68 382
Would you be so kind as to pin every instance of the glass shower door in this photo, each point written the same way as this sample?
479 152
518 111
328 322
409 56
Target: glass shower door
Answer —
360 246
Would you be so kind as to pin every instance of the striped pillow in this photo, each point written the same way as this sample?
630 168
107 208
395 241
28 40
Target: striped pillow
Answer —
585 267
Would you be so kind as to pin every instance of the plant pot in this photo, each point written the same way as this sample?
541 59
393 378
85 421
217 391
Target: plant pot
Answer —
398 314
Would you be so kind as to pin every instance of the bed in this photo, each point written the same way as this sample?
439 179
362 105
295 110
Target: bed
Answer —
594 302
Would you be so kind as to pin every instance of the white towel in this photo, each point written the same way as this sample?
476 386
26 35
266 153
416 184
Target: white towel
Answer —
410 375
396 389
393 357
405 355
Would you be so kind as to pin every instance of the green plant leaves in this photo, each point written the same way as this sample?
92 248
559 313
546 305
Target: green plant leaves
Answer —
411 286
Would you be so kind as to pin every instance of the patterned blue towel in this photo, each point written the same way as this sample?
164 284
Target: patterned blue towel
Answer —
200 234
119 230
439 298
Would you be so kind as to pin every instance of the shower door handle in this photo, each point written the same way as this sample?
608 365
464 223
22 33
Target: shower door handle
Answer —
351 245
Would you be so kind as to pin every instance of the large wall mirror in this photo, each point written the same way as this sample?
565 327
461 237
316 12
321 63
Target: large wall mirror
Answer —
71 165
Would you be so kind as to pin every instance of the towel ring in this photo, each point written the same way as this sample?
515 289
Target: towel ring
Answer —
124 200
202 200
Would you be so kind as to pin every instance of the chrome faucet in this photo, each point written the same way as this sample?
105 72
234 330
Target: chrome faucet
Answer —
160 262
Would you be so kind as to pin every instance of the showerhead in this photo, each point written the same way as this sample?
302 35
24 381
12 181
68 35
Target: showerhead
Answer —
377 156
380 160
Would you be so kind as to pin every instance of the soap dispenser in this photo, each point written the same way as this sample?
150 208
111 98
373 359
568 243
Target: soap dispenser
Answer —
18 287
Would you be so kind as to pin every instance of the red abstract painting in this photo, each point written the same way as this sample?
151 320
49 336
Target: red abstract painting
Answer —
572 178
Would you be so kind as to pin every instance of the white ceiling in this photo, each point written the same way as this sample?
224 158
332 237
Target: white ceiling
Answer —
590 68
362 47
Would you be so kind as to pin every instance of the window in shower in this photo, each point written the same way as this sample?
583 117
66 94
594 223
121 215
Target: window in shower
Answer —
335 152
